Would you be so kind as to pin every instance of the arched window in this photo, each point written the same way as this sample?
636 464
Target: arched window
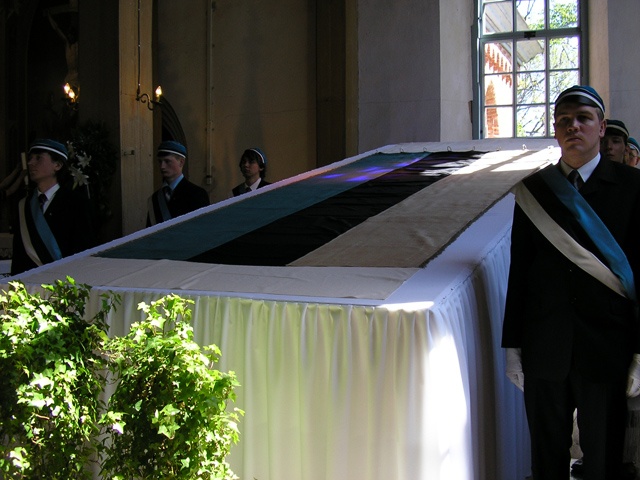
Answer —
528 52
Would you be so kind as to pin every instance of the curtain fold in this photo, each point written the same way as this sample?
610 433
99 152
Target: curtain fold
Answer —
366 392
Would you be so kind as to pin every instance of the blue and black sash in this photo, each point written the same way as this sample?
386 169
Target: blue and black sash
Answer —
158 200
618 274
38 227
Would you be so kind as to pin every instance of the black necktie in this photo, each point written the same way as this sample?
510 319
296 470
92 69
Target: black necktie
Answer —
43 199
167 192
575 179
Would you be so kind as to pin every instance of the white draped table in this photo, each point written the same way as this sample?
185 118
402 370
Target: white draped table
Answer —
404 384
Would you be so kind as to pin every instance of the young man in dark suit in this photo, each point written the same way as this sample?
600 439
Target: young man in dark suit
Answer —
177 195
613 145
253 165
54 220
571 326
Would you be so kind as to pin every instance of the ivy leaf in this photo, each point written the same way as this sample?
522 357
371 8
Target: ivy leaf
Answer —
38 401
42 381
168 430
169 410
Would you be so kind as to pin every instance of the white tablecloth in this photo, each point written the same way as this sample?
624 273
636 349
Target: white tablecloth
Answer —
407 387
411 388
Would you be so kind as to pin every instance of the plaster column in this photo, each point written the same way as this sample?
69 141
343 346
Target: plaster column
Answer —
136 120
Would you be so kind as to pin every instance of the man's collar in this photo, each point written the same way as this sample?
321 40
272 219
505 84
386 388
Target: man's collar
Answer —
175 183
51 191
255 184
585 170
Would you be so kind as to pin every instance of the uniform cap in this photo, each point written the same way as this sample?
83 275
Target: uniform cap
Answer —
171 147
617 127
51 146
583 94
259 152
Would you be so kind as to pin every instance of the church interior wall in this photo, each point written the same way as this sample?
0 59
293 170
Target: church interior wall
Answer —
399 72
456 76
242 74
182 71
262 85
621 66
598 50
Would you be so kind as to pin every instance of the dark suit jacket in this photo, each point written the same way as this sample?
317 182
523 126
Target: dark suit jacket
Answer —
69 218
240 189
186 197
555 312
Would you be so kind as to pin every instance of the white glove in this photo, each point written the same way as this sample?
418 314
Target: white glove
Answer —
514 368
633 382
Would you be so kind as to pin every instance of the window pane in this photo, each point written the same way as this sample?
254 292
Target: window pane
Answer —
563 13
531 121
498 57
559 81
525 61
531 88
530 55
530 15
497 17
564 52
498 122
498 90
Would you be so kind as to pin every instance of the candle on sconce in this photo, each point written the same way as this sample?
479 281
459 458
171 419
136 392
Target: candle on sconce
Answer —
23 159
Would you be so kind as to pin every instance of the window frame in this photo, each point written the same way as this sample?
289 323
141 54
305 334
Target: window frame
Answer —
478 47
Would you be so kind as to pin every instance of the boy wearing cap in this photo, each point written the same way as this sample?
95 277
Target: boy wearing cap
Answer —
571 328
253 165
613 145
177 195
54 220
633 152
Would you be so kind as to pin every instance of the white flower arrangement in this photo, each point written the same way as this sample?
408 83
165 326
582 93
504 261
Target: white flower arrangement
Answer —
93 161
79 164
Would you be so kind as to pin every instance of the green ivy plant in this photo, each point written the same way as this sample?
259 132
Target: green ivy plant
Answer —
50 381
168 418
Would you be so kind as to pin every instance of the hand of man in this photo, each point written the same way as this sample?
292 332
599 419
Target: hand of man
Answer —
514 368
633 382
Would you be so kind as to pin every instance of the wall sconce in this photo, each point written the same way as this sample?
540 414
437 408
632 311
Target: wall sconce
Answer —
144 98
71 93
